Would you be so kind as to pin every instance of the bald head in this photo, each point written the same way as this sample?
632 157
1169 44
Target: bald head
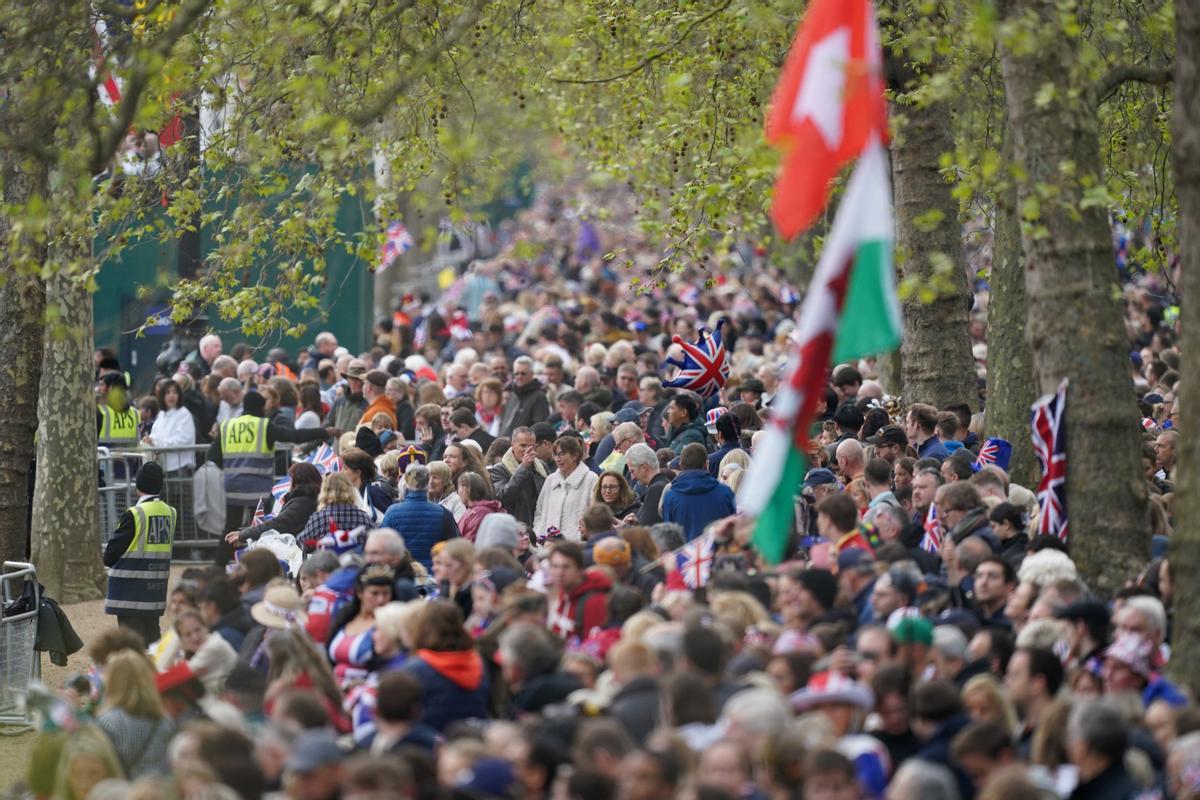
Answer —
849 453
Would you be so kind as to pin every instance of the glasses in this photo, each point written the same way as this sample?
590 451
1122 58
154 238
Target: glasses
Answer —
610 488
520 373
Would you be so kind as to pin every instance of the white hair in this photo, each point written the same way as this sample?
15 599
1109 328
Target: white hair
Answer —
641 455
467 356
925 780
1046 567
1042 634
950 642
392 541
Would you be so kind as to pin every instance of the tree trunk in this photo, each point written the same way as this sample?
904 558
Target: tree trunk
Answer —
66 525
1075 319
1010 361
22 303
1185 541
936 351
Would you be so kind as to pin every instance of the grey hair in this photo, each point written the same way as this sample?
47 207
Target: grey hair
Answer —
1101 726
759 710
627 430
392 541
1151 608
229 385
926 780
523 361
641 455
320 561
417 477
950 642
666 535
530 648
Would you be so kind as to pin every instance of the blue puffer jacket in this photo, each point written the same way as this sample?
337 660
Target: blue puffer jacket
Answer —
695 499
454 686
422 524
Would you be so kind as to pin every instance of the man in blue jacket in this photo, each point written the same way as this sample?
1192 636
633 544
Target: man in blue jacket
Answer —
695 498
420 521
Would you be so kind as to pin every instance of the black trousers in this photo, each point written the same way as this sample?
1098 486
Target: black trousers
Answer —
235 517
143 625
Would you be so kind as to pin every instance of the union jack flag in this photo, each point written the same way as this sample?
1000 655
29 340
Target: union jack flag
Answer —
931 542
340 541
694 561
325 459
994 451
1049 445
396 242
705 364
278 492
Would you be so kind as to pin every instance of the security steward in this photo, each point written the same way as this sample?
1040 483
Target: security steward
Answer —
245 449
138 558
116 420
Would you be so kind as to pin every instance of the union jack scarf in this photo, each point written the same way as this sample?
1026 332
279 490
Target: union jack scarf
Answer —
705 365
1050 447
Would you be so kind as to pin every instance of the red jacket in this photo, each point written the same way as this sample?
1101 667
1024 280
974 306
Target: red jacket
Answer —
576 612
468 526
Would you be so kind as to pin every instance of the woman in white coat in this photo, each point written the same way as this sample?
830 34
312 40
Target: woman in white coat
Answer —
567 492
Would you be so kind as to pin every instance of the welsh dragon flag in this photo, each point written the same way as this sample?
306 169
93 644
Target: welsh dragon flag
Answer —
850 311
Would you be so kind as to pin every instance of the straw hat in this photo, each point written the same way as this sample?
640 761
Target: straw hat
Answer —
281 607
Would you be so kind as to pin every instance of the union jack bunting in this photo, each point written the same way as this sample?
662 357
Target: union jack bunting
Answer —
931 541
1050 447
325 459
396 242
694 561
994 451
705 364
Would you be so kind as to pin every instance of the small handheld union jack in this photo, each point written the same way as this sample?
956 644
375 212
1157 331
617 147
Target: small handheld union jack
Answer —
1050 446
694 560
705 365
931 541
994 451
325 459
396 242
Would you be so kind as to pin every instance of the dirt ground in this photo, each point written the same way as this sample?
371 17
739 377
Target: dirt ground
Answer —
88 619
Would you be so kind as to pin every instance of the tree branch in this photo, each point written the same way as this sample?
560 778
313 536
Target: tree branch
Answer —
411 74
655 56
139 79
1107 86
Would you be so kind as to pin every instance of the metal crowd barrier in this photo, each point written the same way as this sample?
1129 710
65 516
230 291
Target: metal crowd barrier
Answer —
19 663
118 468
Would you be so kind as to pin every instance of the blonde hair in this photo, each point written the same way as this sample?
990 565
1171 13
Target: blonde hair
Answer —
738 610
129 685
739 457
636 626
337 490
389 465
460 550
395 620
441 471
601 424
990 688
87 742
381 422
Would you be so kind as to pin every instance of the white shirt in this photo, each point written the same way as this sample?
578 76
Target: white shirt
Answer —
174 428
226 412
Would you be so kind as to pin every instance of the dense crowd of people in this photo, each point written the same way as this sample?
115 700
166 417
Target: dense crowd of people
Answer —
526 575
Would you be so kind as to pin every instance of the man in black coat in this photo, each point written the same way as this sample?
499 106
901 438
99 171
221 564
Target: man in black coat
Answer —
527 403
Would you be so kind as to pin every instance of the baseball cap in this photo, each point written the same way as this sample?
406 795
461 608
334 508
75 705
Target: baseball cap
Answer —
913 630
819 477
378 378
1093 612
312 750
889 434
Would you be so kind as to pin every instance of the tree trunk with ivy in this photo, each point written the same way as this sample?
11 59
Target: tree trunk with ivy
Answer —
1075 317
66 541
936 350
1010 361
22 304
1185 541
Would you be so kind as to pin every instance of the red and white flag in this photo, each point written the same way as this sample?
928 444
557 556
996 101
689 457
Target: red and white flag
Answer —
828 103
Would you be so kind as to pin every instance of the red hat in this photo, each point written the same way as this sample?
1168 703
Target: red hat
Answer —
174 678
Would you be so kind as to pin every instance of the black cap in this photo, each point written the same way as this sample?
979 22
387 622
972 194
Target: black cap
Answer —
367 441
889 434
821 584
254 404
1092 612
752 385
150 478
